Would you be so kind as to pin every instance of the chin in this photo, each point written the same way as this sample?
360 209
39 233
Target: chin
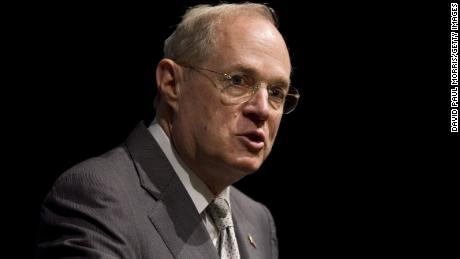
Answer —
248 165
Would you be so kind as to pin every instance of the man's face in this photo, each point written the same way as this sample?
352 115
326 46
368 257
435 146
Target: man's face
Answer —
232 140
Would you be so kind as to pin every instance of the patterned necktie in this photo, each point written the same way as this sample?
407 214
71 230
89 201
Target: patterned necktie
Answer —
220 213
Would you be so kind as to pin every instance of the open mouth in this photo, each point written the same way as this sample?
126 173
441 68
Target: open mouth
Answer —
255 137
254 140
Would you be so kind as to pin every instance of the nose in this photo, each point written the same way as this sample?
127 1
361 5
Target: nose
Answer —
258 108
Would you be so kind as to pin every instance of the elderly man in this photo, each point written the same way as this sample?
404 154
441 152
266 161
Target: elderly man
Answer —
223 87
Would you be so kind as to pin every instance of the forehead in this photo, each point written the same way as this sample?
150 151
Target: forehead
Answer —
251 42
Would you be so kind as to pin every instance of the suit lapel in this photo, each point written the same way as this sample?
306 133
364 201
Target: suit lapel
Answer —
181 227
173 215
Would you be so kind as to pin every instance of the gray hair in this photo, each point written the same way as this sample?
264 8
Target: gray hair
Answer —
196 35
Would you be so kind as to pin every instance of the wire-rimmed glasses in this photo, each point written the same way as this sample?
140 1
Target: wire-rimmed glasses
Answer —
239 88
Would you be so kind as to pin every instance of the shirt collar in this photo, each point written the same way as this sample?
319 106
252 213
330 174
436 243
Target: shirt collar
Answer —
196 188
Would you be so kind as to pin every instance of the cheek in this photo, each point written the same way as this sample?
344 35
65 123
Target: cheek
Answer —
224 120
212 118
197 103
220 125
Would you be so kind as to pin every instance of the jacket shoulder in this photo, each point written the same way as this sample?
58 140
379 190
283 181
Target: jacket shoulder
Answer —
114 163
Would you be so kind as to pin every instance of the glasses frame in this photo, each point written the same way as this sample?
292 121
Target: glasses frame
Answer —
294 93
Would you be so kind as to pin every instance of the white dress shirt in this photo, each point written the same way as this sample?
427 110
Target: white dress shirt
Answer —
196 189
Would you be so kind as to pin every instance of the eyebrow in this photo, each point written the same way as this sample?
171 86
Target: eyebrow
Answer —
252 71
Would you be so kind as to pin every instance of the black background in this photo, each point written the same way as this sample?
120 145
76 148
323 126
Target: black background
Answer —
364 167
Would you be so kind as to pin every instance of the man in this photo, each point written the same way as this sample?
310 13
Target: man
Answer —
166 192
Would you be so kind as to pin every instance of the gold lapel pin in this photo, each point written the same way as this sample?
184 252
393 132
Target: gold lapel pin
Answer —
251 240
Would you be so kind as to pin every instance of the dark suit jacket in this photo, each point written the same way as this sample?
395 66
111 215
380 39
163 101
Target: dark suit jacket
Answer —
129 203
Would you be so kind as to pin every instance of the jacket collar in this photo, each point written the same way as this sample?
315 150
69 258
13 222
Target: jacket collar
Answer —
173 214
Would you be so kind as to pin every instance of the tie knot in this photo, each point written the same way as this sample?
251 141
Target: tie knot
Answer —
220 213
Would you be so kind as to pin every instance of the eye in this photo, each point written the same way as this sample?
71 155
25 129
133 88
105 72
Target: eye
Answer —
238 79
277 93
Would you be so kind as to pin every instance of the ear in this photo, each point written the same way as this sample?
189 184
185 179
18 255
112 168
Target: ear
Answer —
167 77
